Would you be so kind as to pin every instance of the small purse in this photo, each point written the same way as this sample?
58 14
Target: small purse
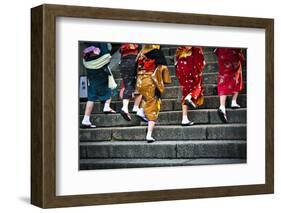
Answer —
111 82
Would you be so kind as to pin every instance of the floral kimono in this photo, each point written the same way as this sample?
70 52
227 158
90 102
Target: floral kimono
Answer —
189 67
230 70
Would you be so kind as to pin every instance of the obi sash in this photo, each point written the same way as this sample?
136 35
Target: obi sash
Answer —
97 63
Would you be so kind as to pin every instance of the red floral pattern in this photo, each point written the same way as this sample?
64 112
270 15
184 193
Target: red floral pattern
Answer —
147 64
230 70
189 73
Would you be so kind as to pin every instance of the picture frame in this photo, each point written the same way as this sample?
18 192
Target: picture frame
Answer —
43 105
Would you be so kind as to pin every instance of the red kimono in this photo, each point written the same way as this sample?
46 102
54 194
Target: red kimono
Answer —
189 67
230 70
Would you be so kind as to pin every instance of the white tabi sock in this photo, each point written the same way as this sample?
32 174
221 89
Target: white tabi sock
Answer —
234 104
222 108
106 107
125 109
125 105
135 108
140 112
86 120
188 97
149 135
185 119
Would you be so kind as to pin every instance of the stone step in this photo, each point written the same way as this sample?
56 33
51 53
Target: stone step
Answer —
170 118
164 149
210 102
168 51
173 132
117 163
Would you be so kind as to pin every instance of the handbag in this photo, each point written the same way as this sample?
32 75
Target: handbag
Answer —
111 82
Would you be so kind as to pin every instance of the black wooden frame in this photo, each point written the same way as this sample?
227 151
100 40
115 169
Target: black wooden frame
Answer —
43 102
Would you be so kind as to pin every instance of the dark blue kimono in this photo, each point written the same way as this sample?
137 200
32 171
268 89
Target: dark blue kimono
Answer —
98 78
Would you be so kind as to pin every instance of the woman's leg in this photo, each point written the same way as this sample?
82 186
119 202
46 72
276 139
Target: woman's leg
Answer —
121 93
151 108
129 85
151 112
88 110
235 96
137 103
127 95
221 110
107 108
185 120
125 111
222 102
150 128
140 87
125 105
234 101
189 101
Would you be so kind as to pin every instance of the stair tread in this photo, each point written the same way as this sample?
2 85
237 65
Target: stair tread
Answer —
170 126
173 99
137 160
86 164
159 143
178 111
160 150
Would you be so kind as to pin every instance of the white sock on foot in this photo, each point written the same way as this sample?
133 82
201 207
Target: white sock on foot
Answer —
140 112
86 120
188 97
106 107
149 136
185 119
125 109
135 108
125 105
234 104
222 108
149 133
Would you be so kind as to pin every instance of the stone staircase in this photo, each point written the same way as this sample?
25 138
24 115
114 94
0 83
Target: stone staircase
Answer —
117 143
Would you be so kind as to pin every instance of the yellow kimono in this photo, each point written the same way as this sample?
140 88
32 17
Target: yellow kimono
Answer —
152 73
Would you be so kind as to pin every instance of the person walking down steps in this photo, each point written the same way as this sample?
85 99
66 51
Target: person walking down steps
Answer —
152 74
128 72
96 58
230 80
189 67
